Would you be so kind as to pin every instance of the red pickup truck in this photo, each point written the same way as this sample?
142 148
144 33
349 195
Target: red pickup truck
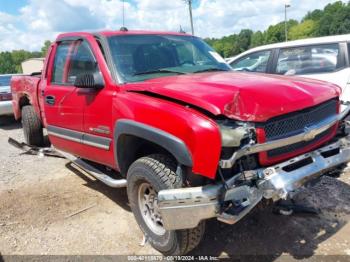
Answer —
190 138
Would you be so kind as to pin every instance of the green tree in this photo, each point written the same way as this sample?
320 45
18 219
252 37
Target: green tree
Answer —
257 39
18 56
341 21
244 39
303 30
276 33
315 15
7 65
334 19
45 48
219 47
10 62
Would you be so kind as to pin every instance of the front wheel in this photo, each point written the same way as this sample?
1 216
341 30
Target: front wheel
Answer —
146 177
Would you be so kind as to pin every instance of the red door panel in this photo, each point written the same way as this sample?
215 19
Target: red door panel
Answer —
63 105
98 122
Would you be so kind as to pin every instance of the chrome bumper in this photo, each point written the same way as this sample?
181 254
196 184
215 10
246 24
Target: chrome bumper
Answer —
278 180
186 207
6 108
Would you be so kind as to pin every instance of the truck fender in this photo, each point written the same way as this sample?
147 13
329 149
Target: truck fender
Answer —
171 143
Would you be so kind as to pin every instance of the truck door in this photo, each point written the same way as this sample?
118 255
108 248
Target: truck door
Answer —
98 125
63 102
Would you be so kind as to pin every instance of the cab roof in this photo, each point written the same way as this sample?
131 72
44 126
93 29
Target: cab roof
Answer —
109 33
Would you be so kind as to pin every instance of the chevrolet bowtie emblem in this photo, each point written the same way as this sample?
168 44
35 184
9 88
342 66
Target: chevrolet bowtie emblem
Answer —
309 134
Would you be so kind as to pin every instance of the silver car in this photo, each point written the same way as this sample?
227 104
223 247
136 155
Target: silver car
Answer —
5 95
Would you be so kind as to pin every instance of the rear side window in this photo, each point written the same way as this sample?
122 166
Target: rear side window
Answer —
71 60
255 62
308 60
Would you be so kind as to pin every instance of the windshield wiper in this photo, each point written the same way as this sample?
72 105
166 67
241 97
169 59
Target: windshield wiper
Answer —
212 69
159 71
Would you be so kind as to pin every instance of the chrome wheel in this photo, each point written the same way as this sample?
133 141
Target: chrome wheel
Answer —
148 204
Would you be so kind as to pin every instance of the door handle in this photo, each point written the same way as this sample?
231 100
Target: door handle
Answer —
50 100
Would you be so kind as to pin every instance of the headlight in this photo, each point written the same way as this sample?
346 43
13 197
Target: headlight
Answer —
232 134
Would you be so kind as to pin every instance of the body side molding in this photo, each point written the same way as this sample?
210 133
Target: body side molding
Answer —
80 137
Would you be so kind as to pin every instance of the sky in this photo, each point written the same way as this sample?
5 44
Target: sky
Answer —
26 24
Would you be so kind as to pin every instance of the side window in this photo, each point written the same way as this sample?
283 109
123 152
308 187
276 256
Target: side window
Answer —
82 62
60 63
308 59
71 60
255 62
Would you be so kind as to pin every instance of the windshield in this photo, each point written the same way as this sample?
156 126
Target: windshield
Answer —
141 57
5 80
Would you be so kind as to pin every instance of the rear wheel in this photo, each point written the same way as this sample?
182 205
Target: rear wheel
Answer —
146 177
32 127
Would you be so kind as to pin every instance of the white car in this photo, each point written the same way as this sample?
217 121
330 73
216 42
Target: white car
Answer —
323 58
5 95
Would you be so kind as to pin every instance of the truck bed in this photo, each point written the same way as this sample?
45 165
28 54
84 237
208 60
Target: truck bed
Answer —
24 89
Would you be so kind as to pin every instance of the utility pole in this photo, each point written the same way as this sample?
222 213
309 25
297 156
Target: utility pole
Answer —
285 21
189 2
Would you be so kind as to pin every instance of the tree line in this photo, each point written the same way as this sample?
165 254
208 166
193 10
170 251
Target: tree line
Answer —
10 62
334 19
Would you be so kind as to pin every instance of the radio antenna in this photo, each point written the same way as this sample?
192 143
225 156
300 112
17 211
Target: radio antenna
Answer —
123 13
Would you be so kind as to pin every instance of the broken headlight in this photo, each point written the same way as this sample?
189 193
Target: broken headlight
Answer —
235 134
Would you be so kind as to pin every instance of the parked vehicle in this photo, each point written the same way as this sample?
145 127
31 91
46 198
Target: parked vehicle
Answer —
190 138
5 95
323 58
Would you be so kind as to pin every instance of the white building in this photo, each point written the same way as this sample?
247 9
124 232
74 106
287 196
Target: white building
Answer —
32 65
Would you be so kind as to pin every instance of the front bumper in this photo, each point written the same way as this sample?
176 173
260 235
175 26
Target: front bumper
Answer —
310 133
186 207
6 108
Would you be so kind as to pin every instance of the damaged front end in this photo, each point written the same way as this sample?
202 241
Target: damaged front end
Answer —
233 198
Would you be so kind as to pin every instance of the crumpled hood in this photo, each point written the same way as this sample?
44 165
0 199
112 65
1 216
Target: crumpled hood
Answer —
241 96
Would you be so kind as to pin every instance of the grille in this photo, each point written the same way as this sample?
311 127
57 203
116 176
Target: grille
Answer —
293 124
293 147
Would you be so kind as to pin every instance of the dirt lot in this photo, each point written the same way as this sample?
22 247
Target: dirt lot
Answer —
40 200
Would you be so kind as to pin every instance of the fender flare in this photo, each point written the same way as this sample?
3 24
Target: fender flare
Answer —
157 136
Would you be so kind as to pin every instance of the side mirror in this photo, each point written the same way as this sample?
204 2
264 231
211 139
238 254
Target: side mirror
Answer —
89 80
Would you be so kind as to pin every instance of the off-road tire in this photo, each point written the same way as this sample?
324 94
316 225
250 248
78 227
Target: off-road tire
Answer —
32 127
160 171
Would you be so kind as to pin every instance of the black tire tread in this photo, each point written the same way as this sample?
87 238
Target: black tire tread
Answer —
165 168
32 126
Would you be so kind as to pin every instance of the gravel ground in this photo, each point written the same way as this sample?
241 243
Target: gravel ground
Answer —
49 207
